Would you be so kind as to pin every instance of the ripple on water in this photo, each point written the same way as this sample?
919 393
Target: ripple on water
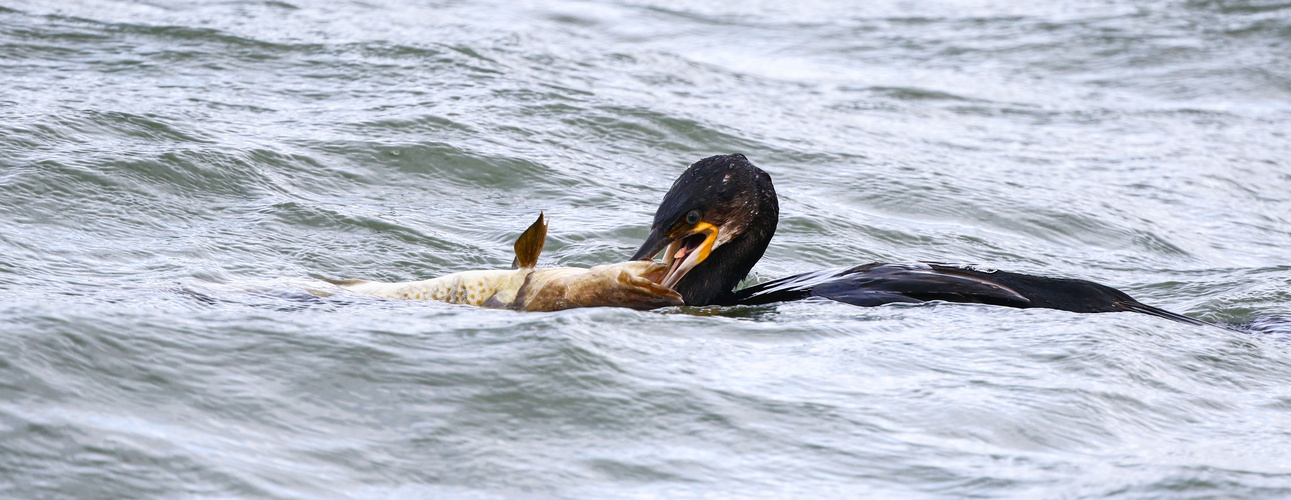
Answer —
171 178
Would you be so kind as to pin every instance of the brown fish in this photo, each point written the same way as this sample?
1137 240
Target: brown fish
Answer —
632 284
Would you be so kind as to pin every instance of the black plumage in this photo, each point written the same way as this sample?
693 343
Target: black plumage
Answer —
737 198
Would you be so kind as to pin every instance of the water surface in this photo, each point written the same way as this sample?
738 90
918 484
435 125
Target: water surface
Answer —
172 173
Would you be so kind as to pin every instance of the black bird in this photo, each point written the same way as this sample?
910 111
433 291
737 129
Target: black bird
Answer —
719 216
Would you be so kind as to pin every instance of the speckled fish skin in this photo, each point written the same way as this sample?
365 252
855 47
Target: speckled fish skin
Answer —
629 284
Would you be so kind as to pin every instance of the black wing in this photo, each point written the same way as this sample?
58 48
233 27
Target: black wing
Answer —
877 284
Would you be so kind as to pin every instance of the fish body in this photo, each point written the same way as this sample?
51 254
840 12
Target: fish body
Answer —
468 287
628 284
632 284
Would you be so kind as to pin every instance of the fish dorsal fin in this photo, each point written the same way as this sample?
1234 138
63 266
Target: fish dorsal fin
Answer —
529 245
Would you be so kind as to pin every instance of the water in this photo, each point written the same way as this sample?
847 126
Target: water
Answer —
172 173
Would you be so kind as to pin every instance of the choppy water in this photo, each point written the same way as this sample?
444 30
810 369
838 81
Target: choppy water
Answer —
172 172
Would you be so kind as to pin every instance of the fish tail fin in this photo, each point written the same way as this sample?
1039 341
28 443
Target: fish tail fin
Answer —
530 243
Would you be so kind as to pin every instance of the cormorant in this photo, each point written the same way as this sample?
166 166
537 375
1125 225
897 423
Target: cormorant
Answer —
719 216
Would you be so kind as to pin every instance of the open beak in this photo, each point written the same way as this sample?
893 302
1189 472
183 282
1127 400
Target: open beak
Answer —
686 249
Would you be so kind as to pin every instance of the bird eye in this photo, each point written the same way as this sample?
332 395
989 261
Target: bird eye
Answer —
692 218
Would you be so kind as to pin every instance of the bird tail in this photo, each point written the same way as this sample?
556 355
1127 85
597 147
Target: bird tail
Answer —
1162 313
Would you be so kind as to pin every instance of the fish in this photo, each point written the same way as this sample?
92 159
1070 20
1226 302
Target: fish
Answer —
633 284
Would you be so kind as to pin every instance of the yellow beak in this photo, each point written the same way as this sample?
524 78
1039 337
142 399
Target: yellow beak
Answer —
681 259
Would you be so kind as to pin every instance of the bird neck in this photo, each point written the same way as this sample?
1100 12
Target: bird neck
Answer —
712 281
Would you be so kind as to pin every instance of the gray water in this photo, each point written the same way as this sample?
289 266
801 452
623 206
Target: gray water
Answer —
173 173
